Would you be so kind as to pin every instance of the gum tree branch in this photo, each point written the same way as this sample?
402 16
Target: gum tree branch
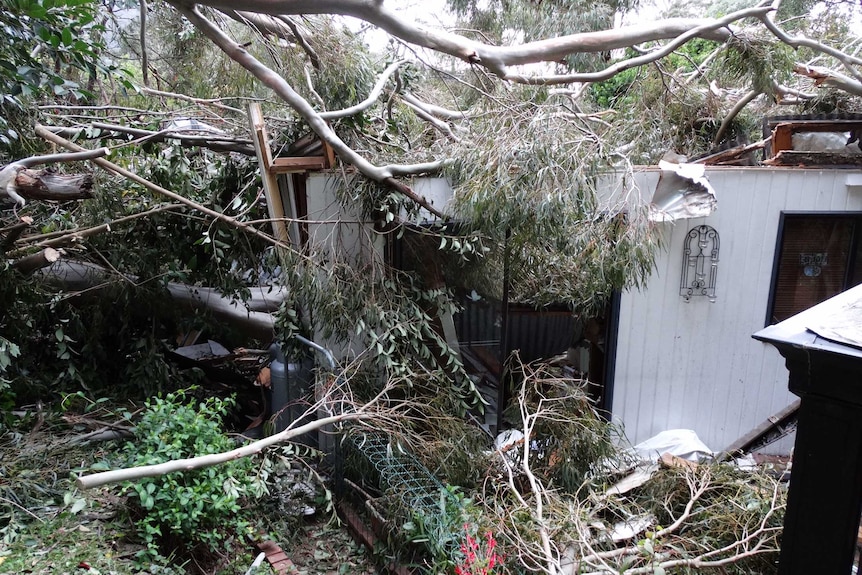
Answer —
372 96
382 174
737 108
9 174
699 31
434 110
830 78
494 58
374 408
847 60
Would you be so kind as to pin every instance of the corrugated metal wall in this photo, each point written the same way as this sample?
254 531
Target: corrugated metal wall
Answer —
694 365
537 334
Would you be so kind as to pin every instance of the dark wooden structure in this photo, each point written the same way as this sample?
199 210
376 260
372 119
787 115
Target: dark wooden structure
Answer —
823 350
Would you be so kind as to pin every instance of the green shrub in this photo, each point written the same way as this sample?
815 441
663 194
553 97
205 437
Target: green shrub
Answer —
195 507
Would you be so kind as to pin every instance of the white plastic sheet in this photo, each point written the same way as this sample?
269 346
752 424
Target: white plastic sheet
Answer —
683 443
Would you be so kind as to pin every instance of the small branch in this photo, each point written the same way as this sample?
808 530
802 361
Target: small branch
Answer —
264 24
372 97
143 36
214 102
215 142
438 124
436 111
361 412
408 191
63 158
303 43
72 236
11 233
188 464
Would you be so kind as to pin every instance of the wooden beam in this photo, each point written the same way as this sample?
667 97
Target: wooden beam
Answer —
270 182
297 164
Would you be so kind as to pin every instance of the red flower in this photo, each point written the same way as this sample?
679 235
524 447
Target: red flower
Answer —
479 556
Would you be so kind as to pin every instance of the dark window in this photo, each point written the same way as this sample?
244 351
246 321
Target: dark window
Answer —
817 257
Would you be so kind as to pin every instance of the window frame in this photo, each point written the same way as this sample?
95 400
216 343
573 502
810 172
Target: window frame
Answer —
855 239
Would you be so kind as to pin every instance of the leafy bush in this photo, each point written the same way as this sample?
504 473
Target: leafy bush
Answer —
194 506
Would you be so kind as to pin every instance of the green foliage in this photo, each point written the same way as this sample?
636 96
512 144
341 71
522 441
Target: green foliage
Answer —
756 63
8 352
387 312
193 505
441 532
528 183
51 49
115 334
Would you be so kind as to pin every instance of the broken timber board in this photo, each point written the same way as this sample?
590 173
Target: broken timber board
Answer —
775 427
296 164
270 182
792 158
277 558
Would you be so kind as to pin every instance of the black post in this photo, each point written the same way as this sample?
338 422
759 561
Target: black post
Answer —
825 499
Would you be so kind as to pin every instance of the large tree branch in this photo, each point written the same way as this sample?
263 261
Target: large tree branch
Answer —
9 174
285 91
46 185
39 260
830 78
734 112
495 58
699 31
252 317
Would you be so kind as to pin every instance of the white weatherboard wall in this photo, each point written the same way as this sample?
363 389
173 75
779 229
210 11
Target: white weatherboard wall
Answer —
694 365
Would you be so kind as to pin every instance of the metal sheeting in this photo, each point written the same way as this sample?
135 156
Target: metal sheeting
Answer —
536 334
694 365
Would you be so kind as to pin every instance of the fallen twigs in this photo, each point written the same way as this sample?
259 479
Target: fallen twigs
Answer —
691 516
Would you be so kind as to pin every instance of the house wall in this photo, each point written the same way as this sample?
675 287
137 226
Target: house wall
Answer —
694 365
